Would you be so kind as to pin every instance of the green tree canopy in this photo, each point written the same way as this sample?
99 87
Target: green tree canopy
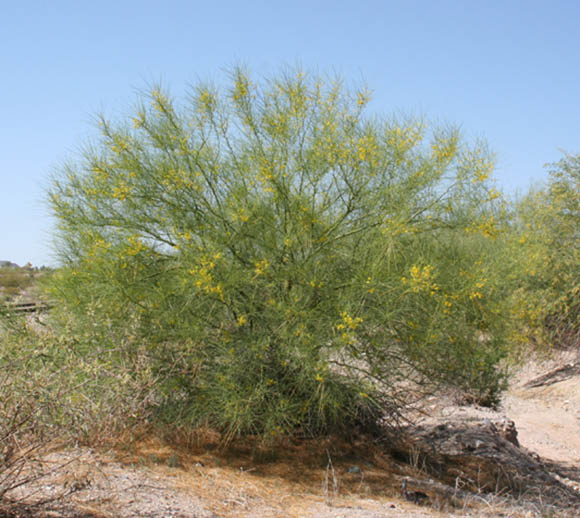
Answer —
547 260
301 262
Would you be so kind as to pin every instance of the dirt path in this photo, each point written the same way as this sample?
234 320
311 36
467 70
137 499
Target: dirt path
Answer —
547 417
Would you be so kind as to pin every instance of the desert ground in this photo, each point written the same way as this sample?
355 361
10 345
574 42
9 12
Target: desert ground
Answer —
343 479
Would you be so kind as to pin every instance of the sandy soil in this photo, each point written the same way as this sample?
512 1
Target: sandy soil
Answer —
153 480
547 417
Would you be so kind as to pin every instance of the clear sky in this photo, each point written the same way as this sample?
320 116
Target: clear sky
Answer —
505 70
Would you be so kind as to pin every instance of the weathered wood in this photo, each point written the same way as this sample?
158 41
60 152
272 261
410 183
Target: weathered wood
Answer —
555 376
26 307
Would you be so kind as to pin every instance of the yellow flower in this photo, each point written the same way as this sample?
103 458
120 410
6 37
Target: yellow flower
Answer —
121 191
241 88
348 323
362 98
421 279
136 245
261 266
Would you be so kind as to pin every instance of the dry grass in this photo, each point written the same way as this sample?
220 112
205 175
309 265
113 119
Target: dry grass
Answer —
294 479
279 480
302 478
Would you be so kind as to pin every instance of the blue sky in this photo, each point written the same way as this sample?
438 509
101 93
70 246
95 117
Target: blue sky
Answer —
508 71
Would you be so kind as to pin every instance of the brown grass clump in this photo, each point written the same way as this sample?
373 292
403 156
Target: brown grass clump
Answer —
300 478
281 476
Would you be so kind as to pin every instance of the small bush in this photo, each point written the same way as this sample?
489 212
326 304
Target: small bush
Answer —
23 406
14 281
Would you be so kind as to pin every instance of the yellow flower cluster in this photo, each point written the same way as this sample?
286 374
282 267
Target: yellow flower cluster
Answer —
421 280
486 227
368 282
176 179
367 148
493 194
447 305
90 192
121 191
100 169
184 236
395 228
477 163
260 267
481 283
241 88
139 121
444 148
242 320
206 101
349 322
160 101
136 245
241 214
347 326
404 138
363 98
98 245
204 278
476 292
119 143
276 123
265 175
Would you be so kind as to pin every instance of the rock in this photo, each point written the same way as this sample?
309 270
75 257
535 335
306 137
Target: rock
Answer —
507 430
483 455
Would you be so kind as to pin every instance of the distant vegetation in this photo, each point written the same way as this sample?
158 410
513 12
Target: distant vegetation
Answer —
14 280
543 241
269 259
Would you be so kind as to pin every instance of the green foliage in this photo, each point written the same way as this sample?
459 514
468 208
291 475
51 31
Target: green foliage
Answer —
286 262
546 256
14 280
18 442
68 383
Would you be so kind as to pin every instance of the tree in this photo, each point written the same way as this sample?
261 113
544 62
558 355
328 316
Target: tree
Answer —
548 299
301 262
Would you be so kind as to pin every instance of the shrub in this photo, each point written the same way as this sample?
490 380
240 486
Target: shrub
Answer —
13 281
296 264
23 406
49 392
545 247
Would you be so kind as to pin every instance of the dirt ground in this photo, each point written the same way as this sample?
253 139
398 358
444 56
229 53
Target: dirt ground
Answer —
547 417
149 479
